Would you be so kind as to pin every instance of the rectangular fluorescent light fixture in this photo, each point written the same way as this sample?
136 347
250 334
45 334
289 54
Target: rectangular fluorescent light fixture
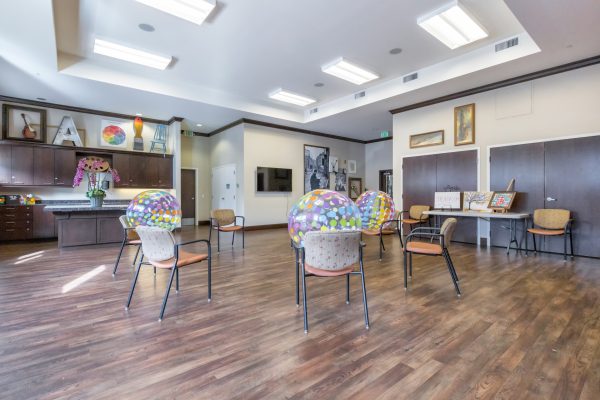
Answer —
125 53
290 97
194 11
348 71
452 25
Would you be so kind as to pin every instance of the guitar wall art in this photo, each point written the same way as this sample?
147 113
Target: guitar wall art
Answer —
23 123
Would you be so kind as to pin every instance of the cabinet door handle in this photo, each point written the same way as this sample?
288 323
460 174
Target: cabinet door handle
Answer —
9 215
10 230
550 199
10 222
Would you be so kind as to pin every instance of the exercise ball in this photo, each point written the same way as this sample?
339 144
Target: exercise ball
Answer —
154 208
375 208
322 210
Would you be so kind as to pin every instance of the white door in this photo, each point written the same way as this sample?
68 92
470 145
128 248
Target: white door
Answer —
224 187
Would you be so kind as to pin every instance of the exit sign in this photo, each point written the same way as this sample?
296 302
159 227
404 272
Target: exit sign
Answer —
384 134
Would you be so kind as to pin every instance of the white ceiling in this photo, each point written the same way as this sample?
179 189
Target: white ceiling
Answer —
225 68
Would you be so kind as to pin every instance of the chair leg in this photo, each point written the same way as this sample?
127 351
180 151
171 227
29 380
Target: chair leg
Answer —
297 251
410 262
405 270
347 288
364 291
451 270
400 237
135 278
534 244
218 241
137 253
304 299
209 280
565 247
526 242
164 304
177 280
571 240
381 247
119 256
243 238
232 237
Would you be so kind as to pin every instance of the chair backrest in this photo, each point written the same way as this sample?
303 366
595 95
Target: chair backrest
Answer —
223 216
447 230
331 250
416 212
158 244
127 227
551 218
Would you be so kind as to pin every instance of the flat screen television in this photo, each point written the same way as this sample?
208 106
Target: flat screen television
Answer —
273 179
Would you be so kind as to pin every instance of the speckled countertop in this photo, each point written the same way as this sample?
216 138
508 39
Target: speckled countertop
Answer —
84 207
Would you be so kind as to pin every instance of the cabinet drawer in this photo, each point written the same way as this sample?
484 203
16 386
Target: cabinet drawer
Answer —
16 214
16 233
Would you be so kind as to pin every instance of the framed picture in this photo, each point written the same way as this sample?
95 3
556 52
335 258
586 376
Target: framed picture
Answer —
333 164
426 139
351 166
502 200
113 134
354 188
464 124
476 201
341 183
18 123
316 168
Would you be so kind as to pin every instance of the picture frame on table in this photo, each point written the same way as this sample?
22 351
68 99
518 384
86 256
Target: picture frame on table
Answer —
316 168
354 188
18 123
426 139
502 200
464 124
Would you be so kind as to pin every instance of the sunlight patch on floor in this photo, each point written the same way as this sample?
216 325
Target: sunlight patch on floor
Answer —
82 279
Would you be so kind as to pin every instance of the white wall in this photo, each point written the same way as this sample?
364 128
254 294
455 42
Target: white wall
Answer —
566 104
378 156
195 154
269 147
227 147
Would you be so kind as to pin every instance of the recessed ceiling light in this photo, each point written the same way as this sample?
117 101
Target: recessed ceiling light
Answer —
146 27
396 50
125 53
290 97
319 84
198 125
194 11
138 114
348 71
452 25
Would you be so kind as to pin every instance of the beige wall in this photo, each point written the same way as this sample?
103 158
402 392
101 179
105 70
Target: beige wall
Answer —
268 147
566 104
227 147
378 156
195 154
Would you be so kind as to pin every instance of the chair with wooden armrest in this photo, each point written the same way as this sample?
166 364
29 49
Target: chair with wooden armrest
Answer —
130 238
551 222
163 252
225 220
443 236
333 253
389 227
414 216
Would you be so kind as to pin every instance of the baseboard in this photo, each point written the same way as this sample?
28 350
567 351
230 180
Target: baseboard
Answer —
203 223
261 227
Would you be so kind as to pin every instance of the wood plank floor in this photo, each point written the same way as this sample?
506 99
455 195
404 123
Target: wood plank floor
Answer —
525 328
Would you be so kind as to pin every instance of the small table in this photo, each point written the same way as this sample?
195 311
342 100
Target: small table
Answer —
486 215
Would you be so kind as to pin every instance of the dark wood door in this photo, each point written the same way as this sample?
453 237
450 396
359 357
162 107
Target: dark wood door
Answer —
43 166
151 177
64 167
188 194
5 167
525 163
22 165
418 180
137 171
120 162
573 183
165 172
459 170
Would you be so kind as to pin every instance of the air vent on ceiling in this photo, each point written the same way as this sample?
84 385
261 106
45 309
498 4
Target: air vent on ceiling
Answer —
313 111
507 44
410 77
359 95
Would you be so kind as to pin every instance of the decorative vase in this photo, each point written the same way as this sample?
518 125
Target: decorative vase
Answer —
96 202
138 140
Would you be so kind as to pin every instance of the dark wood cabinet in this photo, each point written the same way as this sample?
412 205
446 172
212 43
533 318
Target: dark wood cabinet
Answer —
22 165
16 222
44 226
43 166
165 173
151 175
137 170
5 167
120 162
64 167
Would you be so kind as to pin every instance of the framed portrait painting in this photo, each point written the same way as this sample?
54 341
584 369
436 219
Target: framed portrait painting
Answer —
464 124
316 168
354 188
23 123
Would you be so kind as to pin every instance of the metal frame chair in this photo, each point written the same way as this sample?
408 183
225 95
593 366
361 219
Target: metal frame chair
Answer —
413 219
333 253
130 238
163 252
444 236
226 223
383 230
562 225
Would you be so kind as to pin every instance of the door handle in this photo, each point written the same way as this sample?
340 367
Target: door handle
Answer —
550 199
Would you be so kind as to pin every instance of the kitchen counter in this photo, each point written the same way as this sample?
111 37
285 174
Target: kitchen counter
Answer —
84 207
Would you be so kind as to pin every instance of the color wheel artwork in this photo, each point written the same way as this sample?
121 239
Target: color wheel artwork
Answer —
113 134
375 208
322 210
154 208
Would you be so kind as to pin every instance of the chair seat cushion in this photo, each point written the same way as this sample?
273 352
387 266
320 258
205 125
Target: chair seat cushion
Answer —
229 228
185 258
325 272
424 248
410 221
546 232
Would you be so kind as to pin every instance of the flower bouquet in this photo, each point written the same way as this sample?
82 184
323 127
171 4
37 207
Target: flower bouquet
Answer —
97 171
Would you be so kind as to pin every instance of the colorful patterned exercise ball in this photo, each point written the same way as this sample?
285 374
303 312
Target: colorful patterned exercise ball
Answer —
322 210
375 208
154 208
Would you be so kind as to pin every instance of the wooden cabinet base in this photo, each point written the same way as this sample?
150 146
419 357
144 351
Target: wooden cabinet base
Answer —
88 228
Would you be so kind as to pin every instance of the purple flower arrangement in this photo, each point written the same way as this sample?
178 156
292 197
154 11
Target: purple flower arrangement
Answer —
97 170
